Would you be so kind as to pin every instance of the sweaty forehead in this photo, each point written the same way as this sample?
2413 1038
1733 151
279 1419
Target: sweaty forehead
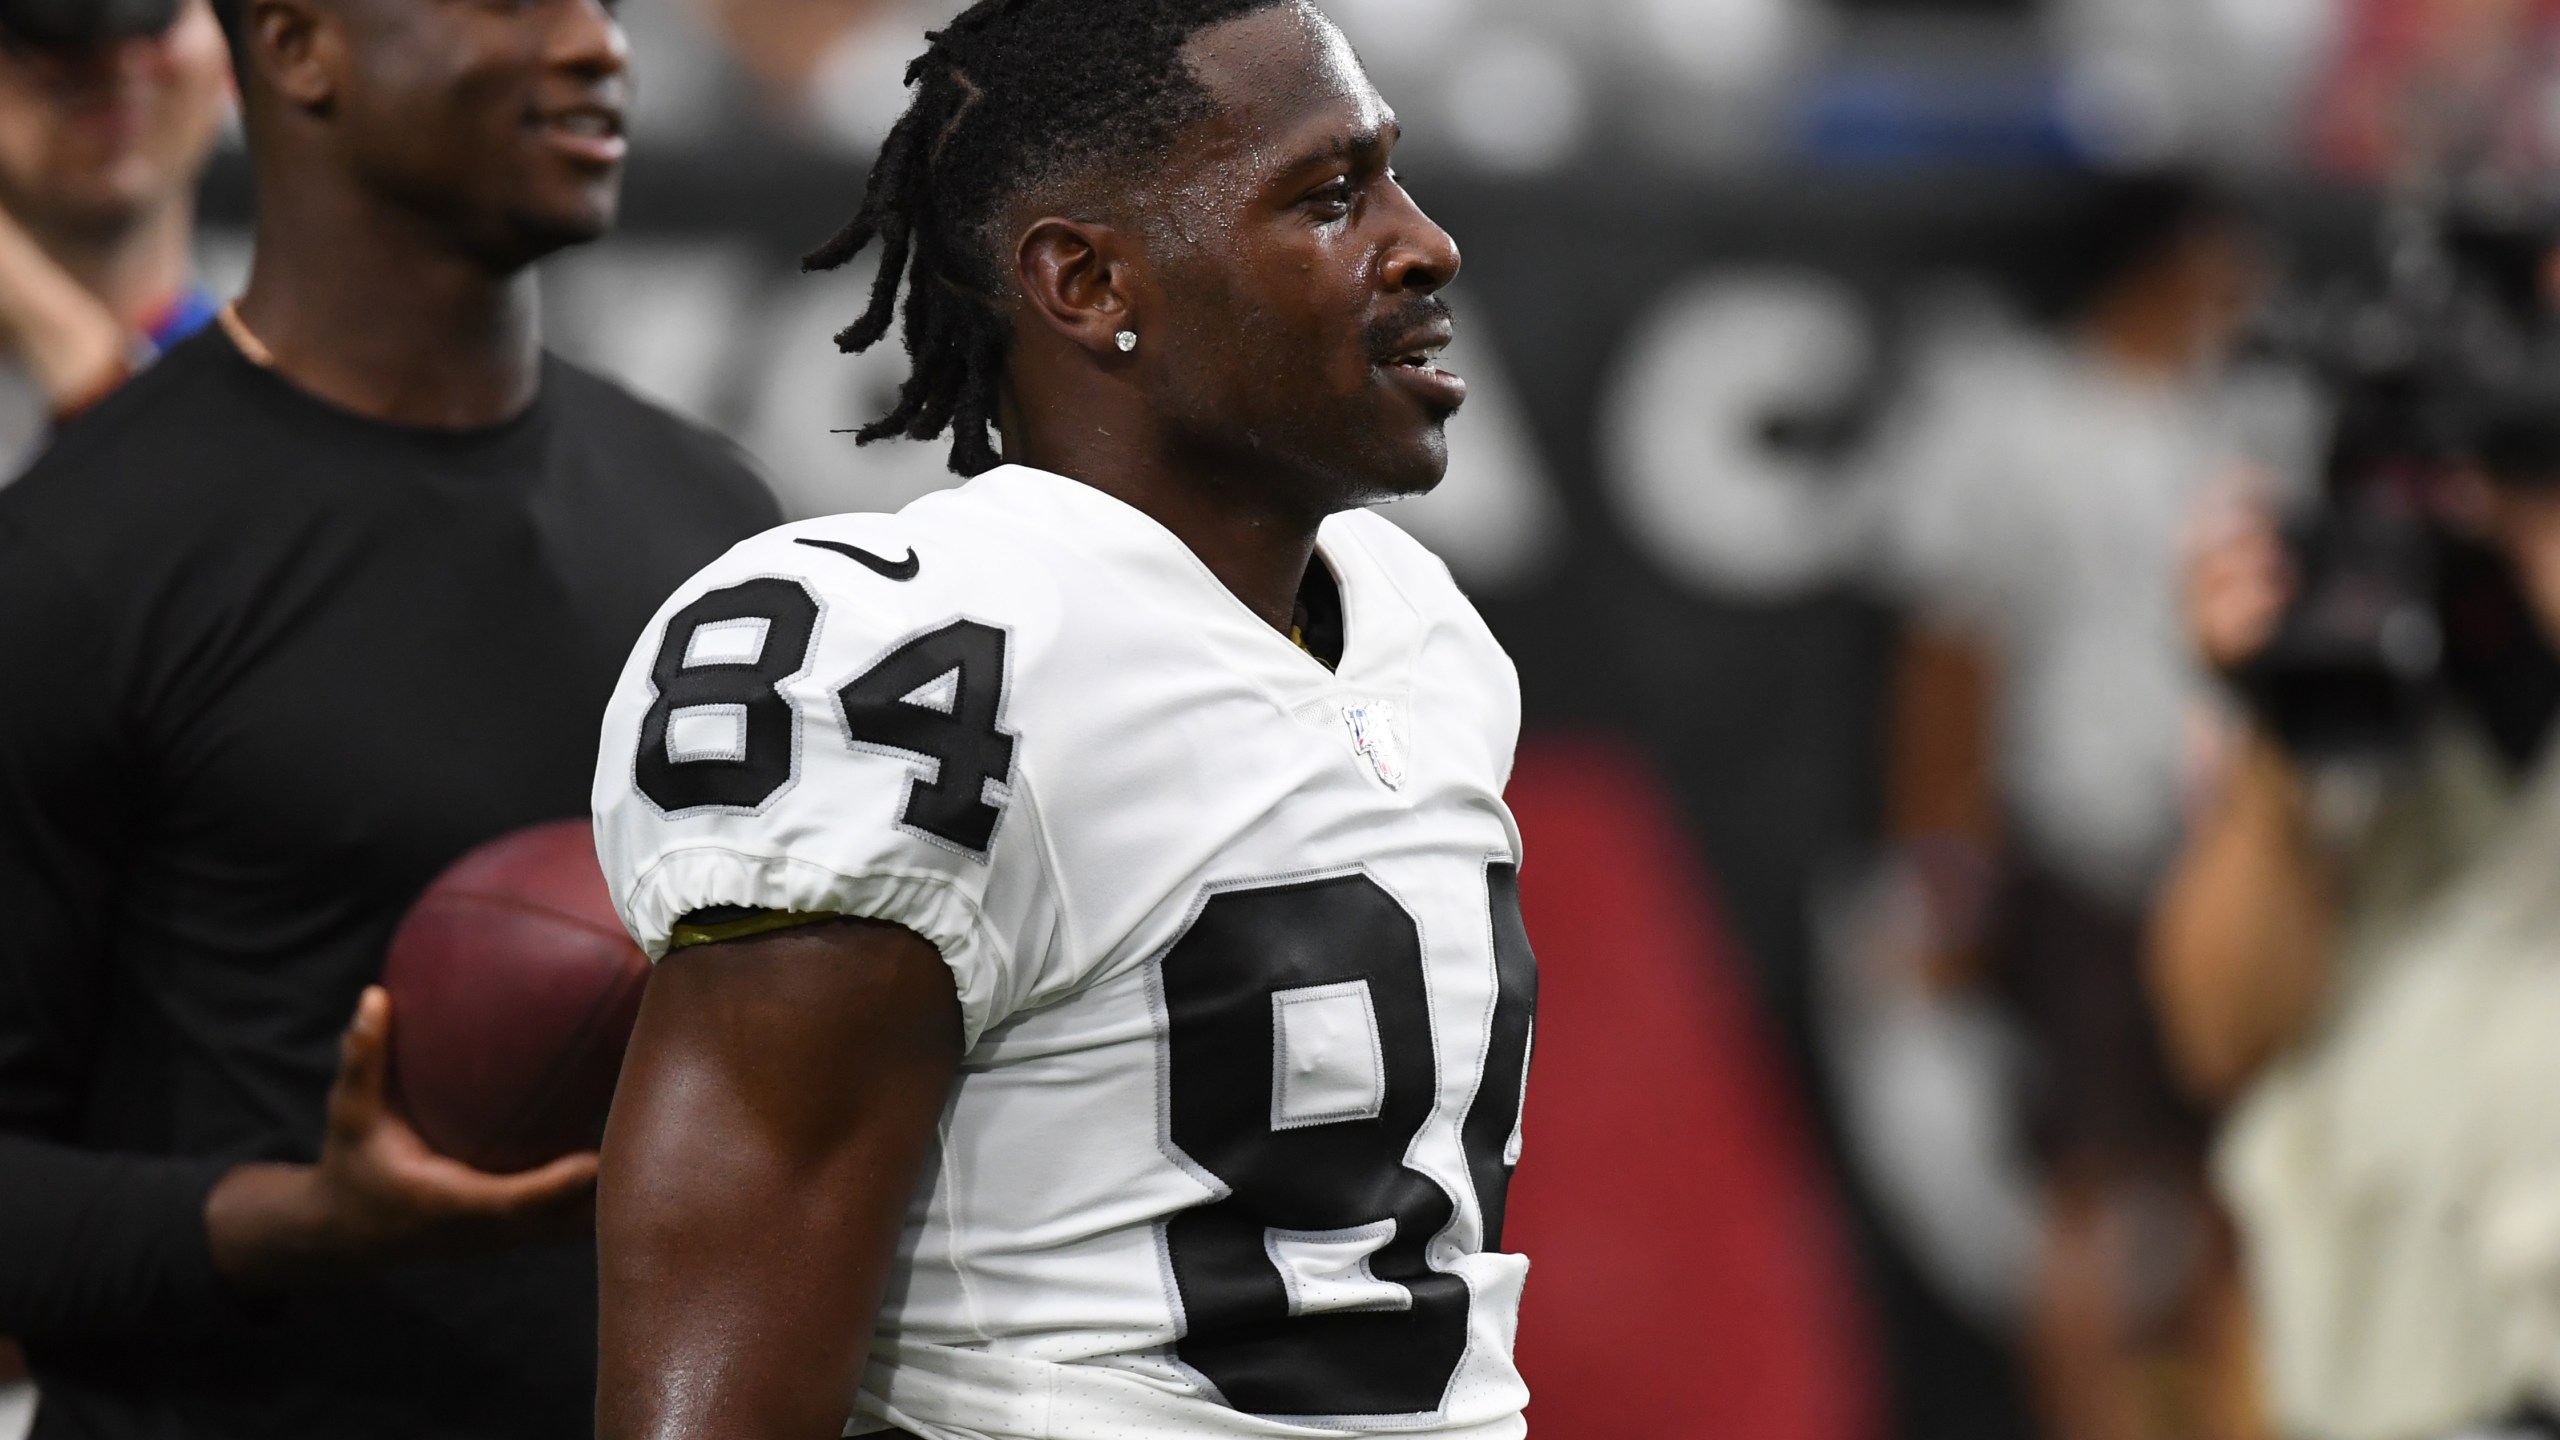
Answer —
1284 78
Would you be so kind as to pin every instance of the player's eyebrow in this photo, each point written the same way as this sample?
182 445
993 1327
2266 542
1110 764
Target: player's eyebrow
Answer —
1360 144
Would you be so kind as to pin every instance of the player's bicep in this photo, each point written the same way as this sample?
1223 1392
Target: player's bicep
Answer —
790 1045
776 1107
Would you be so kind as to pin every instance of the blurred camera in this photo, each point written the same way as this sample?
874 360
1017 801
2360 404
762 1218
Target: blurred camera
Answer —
2446 364
83 24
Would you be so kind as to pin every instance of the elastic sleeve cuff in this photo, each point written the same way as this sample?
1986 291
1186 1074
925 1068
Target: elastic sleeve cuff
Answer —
700 928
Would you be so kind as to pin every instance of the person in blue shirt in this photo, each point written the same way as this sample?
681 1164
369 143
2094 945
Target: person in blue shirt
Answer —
102 140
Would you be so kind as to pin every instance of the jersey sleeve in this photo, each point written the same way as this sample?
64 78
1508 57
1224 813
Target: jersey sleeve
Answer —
807 728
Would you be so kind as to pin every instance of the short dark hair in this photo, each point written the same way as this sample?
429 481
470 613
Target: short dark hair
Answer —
1015 94
2112 227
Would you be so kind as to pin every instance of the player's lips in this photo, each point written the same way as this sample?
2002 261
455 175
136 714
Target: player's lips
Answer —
590 132
1413 362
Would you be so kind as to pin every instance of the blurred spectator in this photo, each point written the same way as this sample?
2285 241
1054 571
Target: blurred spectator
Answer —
2044 738
250 576
2420 85
2366 958
100 149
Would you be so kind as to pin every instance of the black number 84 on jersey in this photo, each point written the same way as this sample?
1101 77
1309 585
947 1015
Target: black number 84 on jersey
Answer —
721 735
1310 1288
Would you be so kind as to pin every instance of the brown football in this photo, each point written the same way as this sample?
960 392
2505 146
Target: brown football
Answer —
513 992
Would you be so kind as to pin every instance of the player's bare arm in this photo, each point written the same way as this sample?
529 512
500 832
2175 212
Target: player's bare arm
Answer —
777 1102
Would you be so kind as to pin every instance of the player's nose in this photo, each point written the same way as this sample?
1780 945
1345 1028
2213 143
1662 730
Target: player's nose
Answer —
1424 258
589 40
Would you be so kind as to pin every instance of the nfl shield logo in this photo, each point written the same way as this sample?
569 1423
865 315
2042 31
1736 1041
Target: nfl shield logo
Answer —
1377 734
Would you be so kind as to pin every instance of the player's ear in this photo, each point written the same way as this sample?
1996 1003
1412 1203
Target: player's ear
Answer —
1077 277
298 48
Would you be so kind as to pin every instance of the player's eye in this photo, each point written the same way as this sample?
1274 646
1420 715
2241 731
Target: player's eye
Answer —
1333 201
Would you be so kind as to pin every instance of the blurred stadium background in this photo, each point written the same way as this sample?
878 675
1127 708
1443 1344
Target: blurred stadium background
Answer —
1710 244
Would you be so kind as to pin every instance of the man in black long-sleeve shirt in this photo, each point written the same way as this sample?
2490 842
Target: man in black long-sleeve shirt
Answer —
329 597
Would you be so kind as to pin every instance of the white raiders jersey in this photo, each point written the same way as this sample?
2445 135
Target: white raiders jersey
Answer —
1237 938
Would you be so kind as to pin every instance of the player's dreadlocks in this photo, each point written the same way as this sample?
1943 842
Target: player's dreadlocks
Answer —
1015 94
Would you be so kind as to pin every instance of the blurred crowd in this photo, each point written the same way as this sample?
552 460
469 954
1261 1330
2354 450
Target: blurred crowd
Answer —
2151 438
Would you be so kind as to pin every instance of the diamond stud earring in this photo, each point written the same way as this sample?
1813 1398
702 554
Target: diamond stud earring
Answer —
1128 341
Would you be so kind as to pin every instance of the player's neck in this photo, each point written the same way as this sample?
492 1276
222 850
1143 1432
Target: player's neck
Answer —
2148 336
371 311
1259 551
135 269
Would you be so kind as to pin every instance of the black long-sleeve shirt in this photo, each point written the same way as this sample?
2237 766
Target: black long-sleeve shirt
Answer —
266 668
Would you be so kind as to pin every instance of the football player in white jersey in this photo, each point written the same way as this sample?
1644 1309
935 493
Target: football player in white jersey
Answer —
1094 1001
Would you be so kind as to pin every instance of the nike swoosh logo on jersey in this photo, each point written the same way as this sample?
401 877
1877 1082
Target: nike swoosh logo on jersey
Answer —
900 570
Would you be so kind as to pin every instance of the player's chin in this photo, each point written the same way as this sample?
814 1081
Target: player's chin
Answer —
566 216
1409 464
